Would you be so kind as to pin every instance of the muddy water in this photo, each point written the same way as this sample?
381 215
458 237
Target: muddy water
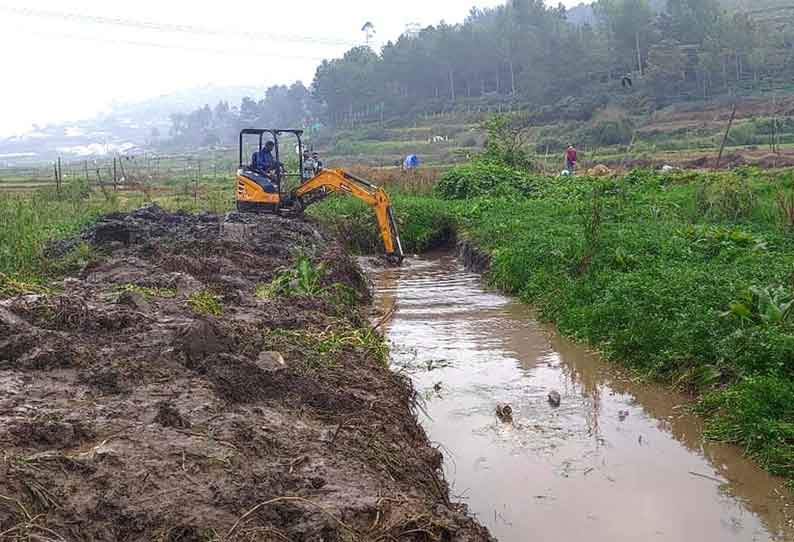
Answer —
618 461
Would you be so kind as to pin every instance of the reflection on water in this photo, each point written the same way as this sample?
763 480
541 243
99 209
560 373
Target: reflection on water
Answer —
618 461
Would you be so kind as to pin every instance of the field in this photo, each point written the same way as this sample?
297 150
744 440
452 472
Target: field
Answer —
683 135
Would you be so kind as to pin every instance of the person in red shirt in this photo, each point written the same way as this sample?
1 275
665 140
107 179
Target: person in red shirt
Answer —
570 159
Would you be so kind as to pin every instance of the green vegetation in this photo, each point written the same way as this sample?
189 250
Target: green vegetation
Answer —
34 219
305 279
30 222
425 223
147 291
205 303
483 177
686 278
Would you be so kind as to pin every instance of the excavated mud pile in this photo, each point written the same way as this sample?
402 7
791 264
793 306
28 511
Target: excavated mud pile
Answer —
127 414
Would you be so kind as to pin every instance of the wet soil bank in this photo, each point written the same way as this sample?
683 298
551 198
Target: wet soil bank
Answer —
618 460
129 414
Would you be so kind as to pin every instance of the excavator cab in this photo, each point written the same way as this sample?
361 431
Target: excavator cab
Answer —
258 190
275 190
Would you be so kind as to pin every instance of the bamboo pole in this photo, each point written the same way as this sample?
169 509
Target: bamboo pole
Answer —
725 137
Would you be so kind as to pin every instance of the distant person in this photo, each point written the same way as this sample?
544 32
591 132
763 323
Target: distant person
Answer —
571 157
318 164
309 166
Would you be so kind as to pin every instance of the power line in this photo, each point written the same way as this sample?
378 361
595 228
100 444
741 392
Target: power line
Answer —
204 50
167 27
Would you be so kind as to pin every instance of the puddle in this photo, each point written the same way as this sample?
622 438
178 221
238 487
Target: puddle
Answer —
617 461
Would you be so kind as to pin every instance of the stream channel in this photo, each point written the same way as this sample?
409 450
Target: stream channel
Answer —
617 461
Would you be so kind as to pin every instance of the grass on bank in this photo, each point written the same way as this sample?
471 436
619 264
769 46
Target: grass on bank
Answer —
687 278
28 221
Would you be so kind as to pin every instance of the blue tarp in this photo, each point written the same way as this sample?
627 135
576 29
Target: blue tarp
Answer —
411 161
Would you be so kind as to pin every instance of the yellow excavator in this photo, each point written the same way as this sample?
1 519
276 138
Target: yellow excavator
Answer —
263 188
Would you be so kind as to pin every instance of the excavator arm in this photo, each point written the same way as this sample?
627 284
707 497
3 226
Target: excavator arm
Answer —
339 181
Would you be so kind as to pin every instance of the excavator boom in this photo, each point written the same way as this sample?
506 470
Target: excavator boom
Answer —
339 181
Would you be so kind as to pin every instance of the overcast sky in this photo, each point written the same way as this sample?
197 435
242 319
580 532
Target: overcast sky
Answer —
62 60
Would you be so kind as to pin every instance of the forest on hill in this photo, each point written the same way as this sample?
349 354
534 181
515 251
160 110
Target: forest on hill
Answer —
530 55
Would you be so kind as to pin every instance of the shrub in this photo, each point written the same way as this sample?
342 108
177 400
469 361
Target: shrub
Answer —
785 207
727 198
483 178
745 134
609 132
506 142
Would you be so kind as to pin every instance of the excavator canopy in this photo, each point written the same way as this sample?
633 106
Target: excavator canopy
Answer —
263 191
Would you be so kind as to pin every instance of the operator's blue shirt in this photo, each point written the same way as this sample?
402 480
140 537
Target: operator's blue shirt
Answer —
263 160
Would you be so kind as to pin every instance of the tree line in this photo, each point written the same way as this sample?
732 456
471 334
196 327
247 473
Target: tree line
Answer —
526 51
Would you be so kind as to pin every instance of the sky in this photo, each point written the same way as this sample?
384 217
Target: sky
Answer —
66 60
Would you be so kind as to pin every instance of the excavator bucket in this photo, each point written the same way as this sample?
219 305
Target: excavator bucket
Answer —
398 255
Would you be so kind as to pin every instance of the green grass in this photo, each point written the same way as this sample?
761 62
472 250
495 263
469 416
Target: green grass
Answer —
205 303
651 280
425 223
29 222
687 279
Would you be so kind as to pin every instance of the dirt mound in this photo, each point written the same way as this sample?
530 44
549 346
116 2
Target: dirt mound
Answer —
158 397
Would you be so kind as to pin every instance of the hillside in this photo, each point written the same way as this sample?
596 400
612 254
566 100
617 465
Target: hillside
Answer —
123 129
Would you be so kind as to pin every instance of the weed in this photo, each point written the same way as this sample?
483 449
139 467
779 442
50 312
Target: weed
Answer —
591 217
10 287
728 198
757 413
305 279
484 177
763 305
147 291
75 260
308 278
785 207
425 223
205 303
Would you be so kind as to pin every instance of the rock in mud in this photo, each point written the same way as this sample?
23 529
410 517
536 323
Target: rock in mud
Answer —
555 399
135 301
51 433
169 416
504 412
200 339
271 361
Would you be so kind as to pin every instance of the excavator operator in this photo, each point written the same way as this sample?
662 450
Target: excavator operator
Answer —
263 160
264 164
